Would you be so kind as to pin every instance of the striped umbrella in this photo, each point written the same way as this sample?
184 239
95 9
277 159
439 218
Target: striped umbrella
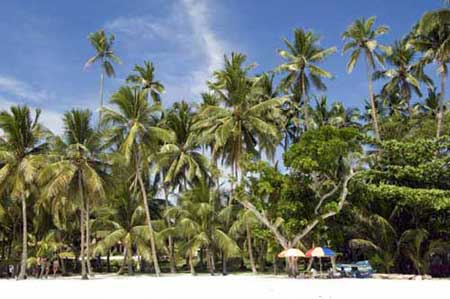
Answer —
291 252
320 252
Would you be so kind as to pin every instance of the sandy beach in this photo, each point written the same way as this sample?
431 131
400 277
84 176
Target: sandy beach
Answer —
232 286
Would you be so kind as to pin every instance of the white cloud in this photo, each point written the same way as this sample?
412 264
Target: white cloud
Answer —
183 44
22 90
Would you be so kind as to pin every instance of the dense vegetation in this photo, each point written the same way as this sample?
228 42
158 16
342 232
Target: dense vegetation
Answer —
197 187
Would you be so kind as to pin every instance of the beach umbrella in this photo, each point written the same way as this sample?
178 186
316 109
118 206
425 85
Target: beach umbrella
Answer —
320 252
291 252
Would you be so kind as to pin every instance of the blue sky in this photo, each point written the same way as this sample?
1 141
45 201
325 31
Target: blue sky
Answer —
44 45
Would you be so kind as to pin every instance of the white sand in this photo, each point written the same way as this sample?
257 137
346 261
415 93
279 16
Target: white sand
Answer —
232 286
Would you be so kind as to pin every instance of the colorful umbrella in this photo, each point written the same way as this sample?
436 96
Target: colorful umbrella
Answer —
320 252
291 252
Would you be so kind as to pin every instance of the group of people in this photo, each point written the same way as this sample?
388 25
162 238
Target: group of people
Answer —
43 265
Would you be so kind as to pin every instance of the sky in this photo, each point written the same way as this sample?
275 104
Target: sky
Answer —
44 44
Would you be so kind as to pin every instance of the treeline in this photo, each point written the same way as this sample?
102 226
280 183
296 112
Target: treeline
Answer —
195 187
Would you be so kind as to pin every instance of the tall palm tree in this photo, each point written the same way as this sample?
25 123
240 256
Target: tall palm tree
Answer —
405 75
242 119
76 172
336 115
134 126
20 148
432 38
144 76
103 44
182 159
360 36
302 58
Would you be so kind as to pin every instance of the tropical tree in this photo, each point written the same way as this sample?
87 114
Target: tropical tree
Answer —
405 75
144 76
242 119
21 148
76 173
198 220
134 126
432 38
336 115
302 58
102 43
360 36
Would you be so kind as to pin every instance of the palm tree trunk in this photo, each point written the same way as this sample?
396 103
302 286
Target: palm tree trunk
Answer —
23 264
305 105
191 263
149 223
130 261
440 113
172 261
250 249
82 228
376 128
88 240
102 79
124 262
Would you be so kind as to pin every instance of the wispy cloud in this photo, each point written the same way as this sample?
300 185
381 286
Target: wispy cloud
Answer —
183 45
22 90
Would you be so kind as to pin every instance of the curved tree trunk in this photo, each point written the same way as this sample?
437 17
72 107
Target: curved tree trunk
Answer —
191 263
250 249
440 113
149 223
130 261
374 114
172 260
23 263
124 262
82 229
102 79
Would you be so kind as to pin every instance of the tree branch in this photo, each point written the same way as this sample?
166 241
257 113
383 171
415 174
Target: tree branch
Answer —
324 216
280 238
324 197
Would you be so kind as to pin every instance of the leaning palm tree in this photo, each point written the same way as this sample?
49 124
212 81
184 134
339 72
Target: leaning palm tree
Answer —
301 65
20 148
405 75
102 44
361 37
144 76
76 173
432 38
134 126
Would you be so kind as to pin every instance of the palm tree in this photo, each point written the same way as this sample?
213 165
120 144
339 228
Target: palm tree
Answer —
76 173
405 76
182 160
242 119
102 44
302 58
134 126
198 221
337 115
145 78
361 37
20 148
126 225
432 38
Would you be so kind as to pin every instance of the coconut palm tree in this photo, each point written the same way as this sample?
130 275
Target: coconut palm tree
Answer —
21 149
182 159
199 223
76 172
242 119
126 225
336 115
105 55
134 126
405 75
144 76
301 66
432 38
360 36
